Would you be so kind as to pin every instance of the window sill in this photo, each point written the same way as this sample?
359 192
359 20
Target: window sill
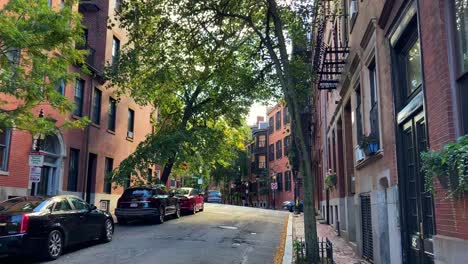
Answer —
76 117
4 173
369 160
96 125
129 139
110 132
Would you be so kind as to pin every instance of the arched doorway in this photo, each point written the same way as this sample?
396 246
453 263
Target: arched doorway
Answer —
50 175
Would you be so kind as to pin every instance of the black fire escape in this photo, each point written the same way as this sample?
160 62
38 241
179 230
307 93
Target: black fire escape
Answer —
329 58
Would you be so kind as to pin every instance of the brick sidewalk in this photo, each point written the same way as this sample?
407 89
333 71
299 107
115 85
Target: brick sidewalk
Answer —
342 251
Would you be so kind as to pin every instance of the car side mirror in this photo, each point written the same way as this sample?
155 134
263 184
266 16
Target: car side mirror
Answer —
92 208
171 194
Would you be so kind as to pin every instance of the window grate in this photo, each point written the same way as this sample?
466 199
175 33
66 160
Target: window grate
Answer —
367 242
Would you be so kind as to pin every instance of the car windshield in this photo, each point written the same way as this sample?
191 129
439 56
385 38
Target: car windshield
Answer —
182 191
22 205
138 193
215 193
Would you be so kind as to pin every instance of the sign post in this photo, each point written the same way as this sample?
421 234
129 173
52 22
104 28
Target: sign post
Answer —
36 159
274 187
35 174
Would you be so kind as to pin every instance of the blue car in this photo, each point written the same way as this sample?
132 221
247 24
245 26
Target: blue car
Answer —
289 205
213 197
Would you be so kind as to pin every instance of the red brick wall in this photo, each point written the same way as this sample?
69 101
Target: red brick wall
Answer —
451 217
280 165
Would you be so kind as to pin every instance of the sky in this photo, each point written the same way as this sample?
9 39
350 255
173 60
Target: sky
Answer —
256 109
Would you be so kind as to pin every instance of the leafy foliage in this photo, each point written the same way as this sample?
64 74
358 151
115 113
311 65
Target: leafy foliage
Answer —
37 47
330 180
450 166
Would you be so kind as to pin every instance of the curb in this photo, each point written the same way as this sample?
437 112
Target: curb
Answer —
288 246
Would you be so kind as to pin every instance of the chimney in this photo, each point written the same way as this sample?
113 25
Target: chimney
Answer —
260 119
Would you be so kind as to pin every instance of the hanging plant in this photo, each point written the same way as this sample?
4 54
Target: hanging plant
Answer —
330 180
450 166
369 144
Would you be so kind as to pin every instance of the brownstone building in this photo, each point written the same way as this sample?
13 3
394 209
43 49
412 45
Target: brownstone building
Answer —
76 161
391 73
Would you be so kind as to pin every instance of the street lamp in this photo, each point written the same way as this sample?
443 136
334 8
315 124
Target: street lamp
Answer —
274 192
38 138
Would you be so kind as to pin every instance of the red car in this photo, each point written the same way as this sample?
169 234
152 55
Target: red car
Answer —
190 200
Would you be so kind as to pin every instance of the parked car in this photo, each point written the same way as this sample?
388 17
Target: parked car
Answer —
46 225
148 203
190 200
213 197
289 205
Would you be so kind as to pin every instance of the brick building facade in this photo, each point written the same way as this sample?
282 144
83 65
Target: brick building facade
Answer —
393 70
76 161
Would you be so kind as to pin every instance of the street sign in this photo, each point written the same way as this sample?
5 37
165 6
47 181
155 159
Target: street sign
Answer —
35 174
200 181
36 159
274 186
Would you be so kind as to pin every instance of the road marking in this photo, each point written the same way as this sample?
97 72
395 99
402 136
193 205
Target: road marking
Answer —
228 227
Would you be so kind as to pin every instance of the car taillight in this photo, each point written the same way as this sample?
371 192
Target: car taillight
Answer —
24 224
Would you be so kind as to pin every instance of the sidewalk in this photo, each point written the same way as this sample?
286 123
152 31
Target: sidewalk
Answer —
342 251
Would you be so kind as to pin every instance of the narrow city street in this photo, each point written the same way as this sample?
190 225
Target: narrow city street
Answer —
220 234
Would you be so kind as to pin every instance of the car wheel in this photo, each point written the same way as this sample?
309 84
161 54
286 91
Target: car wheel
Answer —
108 231
122 221
54 245
177 213
202 207
161 215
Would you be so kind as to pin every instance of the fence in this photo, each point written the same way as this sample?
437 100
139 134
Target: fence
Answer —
325 251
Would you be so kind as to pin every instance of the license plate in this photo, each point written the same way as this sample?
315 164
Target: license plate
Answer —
133 205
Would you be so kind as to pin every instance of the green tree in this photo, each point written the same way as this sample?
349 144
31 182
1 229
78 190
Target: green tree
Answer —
244 43
37 48
196 84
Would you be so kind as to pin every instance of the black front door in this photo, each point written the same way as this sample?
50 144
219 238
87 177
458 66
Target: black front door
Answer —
417 203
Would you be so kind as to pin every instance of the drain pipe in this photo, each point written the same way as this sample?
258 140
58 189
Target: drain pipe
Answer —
88 129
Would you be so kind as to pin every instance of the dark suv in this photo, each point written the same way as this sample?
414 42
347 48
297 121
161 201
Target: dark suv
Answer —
147 202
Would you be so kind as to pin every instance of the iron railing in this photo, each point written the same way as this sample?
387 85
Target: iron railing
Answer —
325 251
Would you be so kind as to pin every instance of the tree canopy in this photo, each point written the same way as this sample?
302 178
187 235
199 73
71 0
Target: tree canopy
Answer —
212 54
197 84
37 48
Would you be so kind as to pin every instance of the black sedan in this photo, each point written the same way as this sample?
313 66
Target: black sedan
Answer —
152 203
289 205
46 225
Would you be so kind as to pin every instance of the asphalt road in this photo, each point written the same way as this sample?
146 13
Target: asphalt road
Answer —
221 234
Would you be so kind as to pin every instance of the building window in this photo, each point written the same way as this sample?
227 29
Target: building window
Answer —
60 86
4 148
261 162
271 122
73 169
279 181
287 181
150 176
79 94
461 28
96 118
271 152
261 141
109 166
131 123
112 114
118 5
279 149
358 115
278 120
286 118
374 111
115 50
128 181
287 145
413 65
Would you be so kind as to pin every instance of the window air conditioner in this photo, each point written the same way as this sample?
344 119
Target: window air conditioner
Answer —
129 134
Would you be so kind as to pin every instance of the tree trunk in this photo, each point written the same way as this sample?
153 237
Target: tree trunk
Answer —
167 171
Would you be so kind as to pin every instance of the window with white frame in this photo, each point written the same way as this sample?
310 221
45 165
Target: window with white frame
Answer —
374 102
4 148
